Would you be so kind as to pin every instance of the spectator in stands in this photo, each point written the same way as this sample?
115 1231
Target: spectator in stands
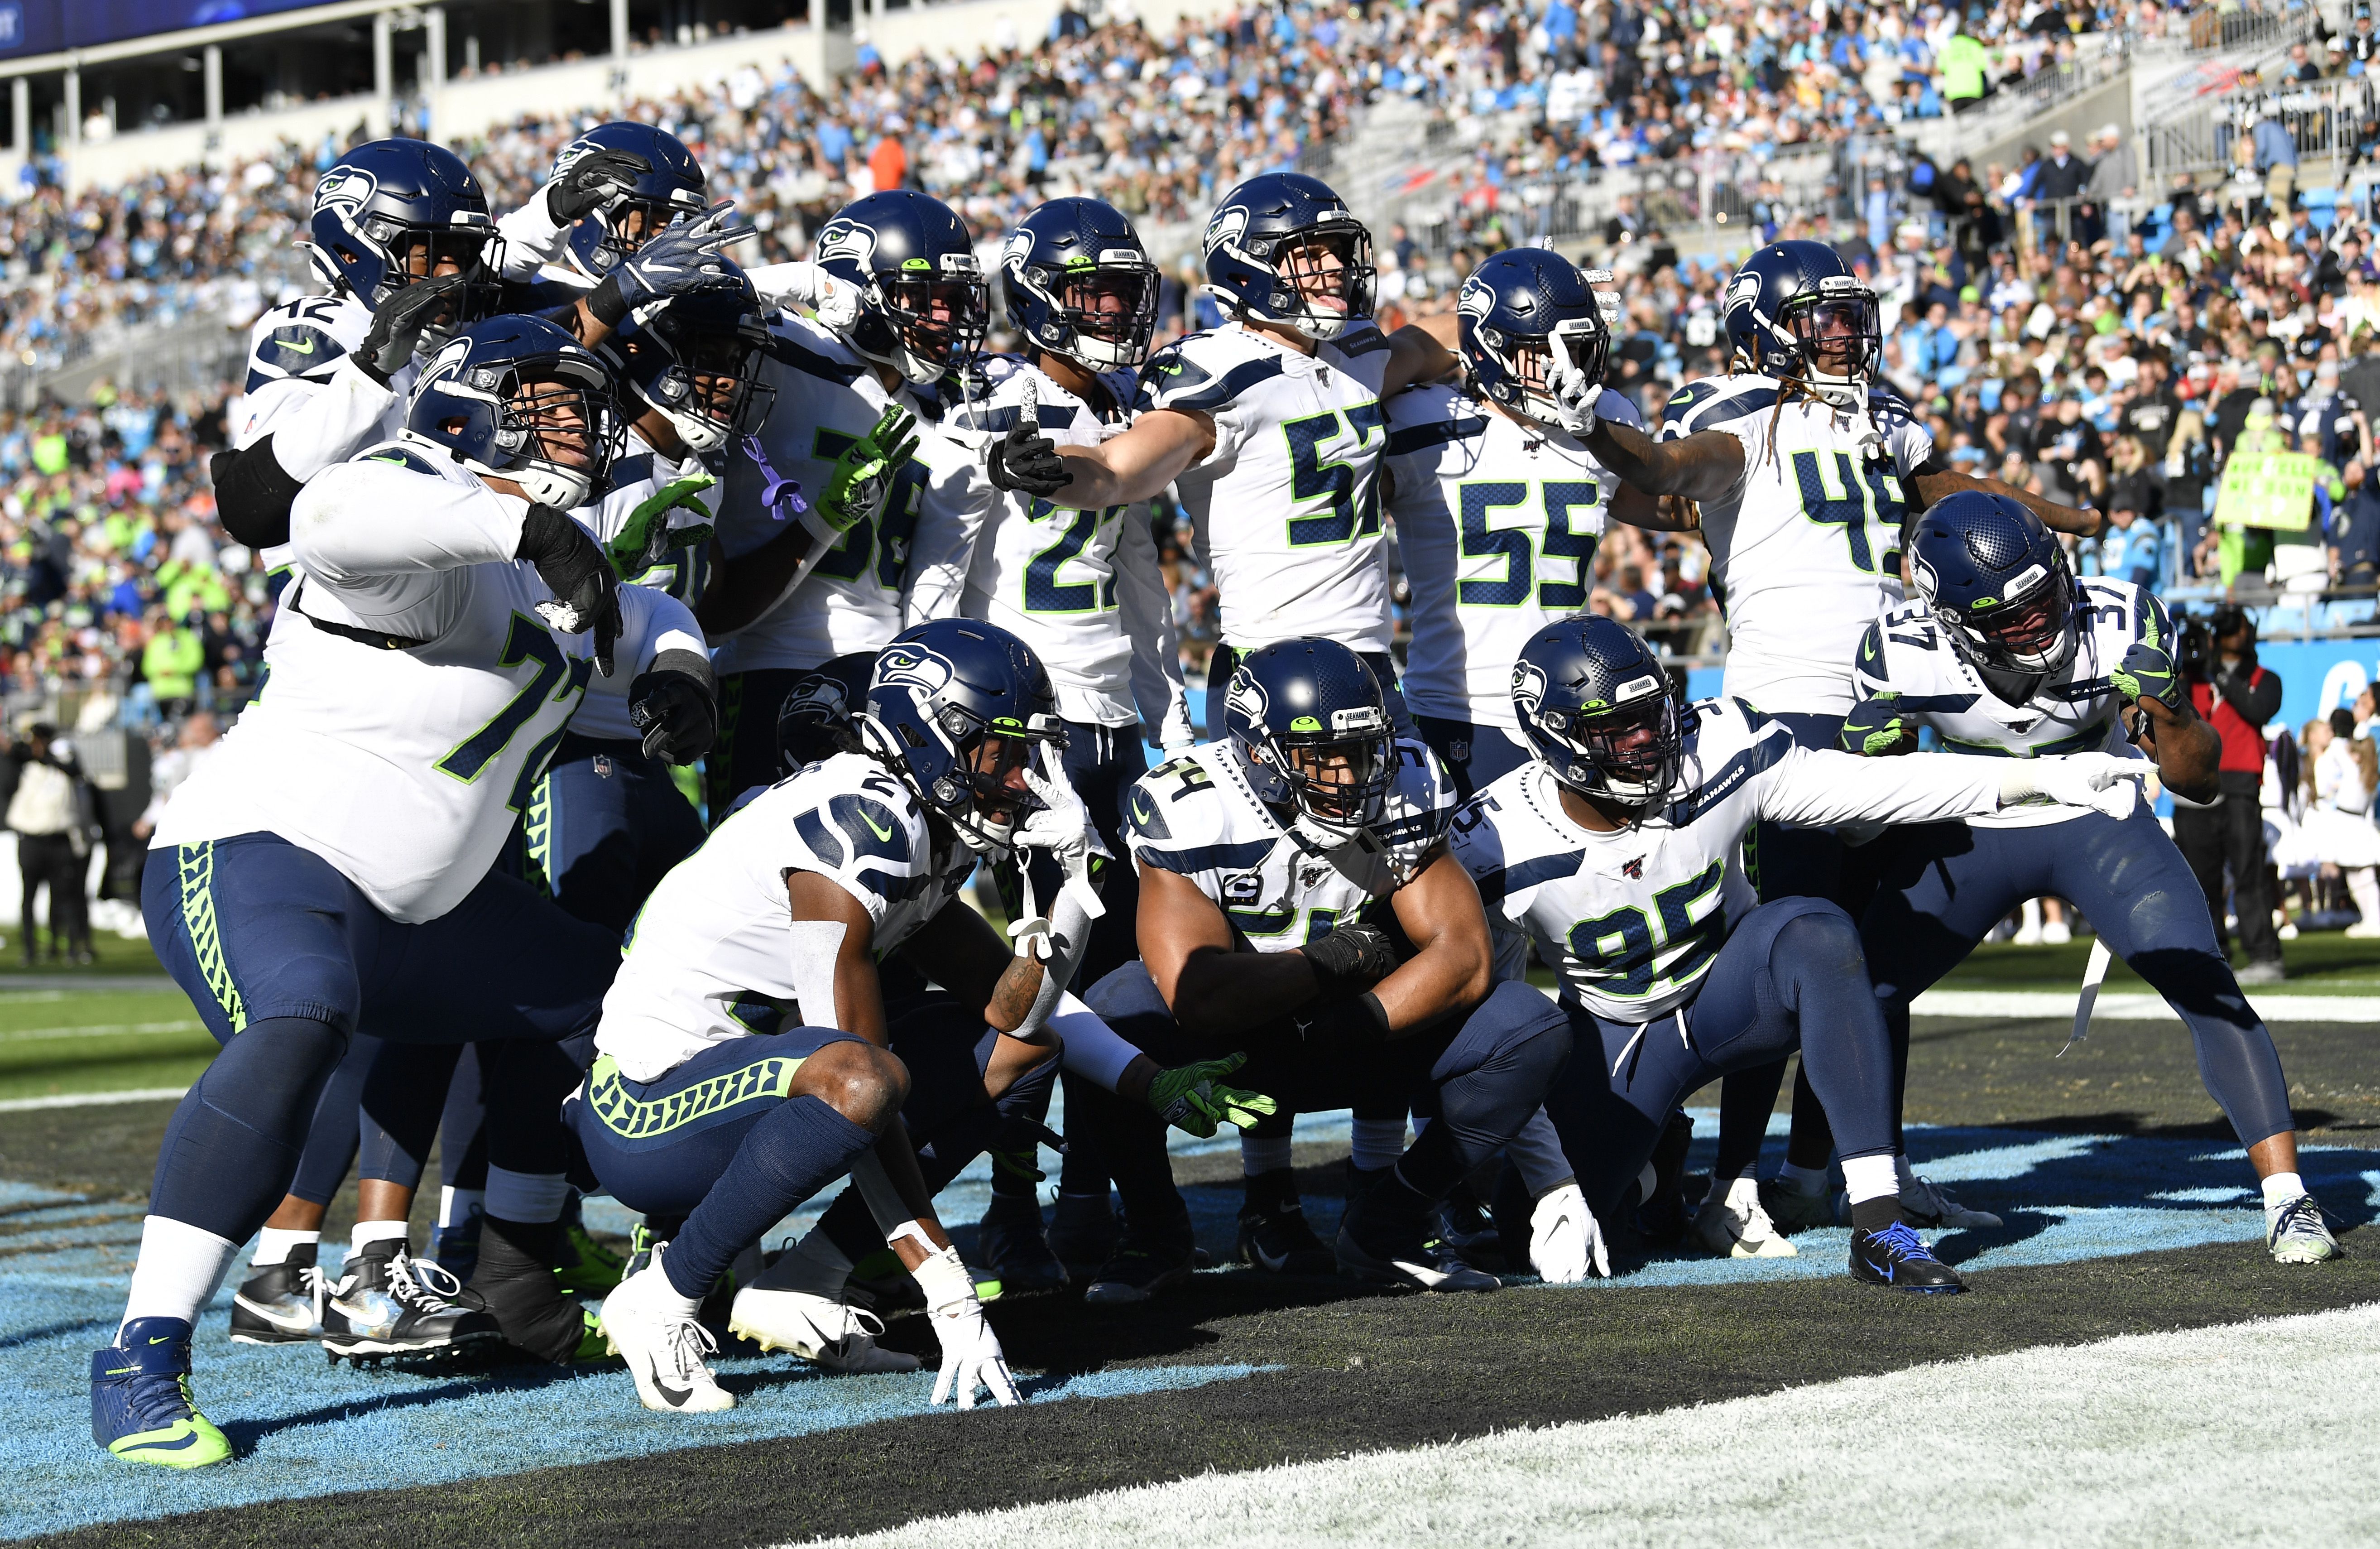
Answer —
2275 158
2355 530
49 813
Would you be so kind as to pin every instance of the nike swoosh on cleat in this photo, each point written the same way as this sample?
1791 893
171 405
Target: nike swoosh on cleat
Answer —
181 1444
675 1398
278 1319
165 1339
1273 1262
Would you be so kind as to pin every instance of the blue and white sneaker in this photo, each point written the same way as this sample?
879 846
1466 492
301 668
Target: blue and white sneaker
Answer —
2296 1233
1898 1259
140 1403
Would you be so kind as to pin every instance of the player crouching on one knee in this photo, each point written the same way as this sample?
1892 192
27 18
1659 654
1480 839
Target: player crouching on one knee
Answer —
2006 653
1618 853
1297 900
694 1116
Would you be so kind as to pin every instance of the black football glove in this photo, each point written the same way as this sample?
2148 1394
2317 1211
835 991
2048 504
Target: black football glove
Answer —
591 182
1876 728
586 591
1354 956
399 324
1024 459
676 705
682 260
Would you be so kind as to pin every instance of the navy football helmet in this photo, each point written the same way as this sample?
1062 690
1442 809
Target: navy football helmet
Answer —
1795 309
1596 705
957 708
697 361
1312 731
1278 230
1513 311
518 398
673 190
397 211
1997 582
1078 283
924 305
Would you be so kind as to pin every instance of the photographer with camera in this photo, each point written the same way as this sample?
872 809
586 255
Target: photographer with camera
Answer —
2218 660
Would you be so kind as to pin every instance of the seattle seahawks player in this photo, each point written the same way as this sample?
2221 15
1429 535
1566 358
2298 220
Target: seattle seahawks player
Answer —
1499 509
1082 588
1271 428
902 302
400 234
697 1109
2007 655
1298 902
1805 468
1616 853
329 869
612 189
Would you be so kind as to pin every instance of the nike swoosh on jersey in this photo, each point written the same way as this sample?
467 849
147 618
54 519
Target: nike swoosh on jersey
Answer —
870 822
292 345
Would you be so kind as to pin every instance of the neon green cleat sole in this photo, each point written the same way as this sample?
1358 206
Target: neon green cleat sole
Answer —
186 1444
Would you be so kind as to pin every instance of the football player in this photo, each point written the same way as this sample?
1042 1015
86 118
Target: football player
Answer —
2006 653
1806 466
331 867
901 302
1618 853
1270 429
1298 901
1082 588
400 234
699 1110
612 189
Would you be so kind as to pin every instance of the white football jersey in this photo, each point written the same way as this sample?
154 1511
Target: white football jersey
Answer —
1631 920
1197 816
403 767
826 399
1287 505
2075 711
1806 549
1498 524
304 391
715 934
1081 588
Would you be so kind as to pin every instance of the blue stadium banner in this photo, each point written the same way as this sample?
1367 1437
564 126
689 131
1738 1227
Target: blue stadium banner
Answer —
50 26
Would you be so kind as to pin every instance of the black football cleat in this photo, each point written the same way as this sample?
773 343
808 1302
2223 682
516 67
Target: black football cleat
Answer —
1898 1259
1012 1245
390 1304
281 1304
1274 1236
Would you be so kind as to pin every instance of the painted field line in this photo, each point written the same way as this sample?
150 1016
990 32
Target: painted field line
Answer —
100 1029
91 1099
2149 1439
2136 1008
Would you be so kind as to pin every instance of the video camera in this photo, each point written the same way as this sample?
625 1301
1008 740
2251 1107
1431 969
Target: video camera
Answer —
2194 645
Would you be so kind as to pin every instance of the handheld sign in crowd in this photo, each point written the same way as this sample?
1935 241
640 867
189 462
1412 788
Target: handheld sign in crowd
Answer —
2270 490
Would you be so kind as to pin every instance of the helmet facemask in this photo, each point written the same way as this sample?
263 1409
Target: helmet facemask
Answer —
982 792
409 254
1838 339
937 320
1631 752
1324 279
1107 308
1527 356
556 428
2032 633
1338 777
707 380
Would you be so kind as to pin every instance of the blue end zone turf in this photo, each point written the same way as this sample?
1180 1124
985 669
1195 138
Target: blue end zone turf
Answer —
302 1426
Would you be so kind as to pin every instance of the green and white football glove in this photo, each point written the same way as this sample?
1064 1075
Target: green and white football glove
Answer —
863 476
1193 1098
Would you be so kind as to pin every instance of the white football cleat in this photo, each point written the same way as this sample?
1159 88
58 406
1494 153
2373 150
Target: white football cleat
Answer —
1927 1205
1733 1224
1565 1240
2057 932
821 1330
662 1344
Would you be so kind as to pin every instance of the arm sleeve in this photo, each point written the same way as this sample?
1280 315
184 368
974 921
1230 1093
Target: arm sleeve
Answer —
342 531
1817 786
1089 1046
317 422
2256 696
953 508
531 239
654 622
1157 685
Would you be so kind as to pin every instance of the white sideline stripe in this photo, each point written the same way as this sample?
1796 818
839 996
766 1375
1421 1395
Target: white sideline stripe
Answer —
2136 1008
2240 1433
91 1098
102 1030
